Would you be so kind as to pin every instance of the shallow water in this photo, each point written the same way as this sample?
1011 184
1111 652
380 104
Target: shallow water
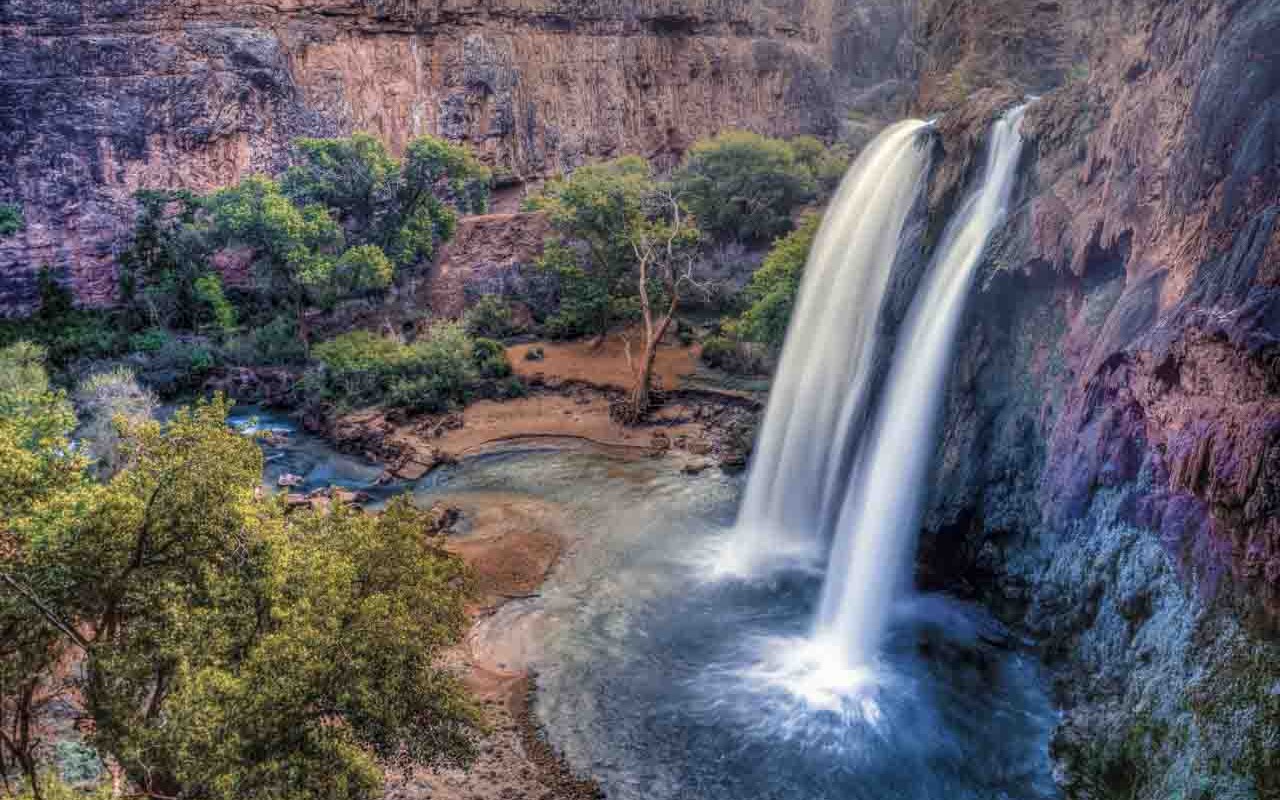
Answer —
661 684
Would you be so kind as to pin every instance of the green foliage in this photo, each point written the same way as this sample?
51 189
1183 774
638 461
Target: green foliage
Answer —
590 302
490 358
432 164
431 375
11 219
595 212
170 363
293 246
274 342
54 787
42 491
742 186
734 356
351 176
362 269
67 334
152 340
208 290
491 316
773 289
159 271
233 651
415 240
341 221
37 464
827 165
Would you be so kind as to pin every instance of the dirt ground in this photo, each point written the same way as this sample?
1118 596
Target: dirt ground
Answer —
604 364
573 387
512 543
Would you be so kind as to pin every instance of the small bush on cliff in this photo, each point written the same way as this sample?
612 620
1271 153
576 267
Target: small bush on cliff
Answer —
11 219
744 187
491 316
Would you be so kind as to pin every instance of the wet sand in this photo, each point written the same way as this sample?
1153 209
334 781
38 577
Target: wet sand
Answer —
511 542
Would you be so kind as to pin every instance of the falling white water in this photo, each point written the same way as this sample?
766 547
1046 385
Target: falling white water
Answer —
802 456
881 513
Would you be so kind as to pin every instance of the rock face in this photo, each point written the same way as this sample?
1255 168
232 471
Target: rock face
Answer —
494 254
99 98
1109 475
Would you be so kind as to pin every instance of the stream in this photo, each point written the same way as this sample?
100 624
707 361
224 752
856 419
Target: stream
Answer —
660 681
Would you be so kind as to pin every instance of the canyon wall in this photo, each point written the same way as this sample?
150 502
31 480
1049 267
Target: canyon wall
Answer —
99 98
1110 470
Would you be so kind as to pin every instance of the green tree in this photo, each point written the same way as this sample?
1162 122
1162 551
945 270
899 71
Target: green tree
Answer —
826 164
742 186
593 212
774 287
353 177
626 248
42 492
294 249
169 254
404 207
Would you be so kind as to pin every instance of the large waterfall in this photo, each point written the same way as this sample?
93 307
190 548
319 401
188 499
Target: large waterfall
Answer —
802 458
881 513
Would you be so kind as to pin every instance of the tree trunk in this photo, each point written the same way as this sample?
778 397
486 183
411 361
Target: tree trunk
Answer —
640 398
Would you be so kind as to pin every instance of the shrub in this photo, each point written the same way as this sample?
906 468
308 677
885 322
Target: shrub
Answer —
67 334
276 342
105 400
171 364
11 220
773 289
743 186
734 357
432 375
363 269
827 165
490 358
152 340
208 290
491 316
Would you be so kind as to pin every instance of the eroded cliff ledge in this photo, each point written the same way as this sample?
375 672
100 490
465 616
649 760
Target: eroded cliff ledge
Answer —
100 98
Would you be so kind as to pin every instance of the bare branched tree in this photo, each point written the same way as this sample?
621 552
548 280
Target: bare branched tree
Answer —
665 244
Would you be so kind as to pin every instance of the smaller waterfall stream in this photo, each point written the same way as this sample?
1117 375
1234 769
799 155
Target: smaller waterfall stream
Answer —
802 456
877 526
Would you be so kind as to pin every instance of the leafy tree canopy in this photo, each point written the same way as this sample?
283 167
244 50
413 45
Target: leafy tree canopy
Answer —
230 650
743 187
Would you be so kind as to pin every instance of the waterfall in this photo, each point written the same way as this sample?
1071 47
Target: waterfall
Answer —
870 562
802 457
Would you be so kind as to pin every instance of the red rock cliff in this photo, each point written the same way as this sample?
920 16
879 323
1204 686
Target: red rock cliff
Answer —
101 97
